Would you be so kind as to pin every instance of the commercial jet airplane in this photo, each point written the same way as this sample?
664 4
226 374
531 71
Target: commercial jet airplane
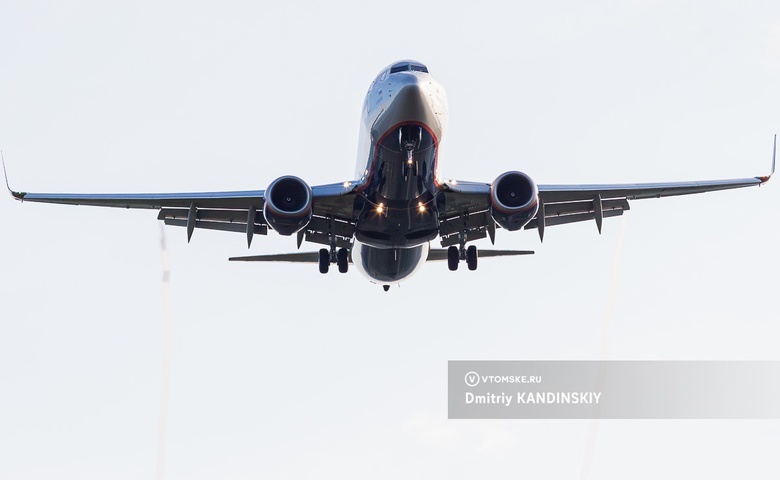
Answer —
383 220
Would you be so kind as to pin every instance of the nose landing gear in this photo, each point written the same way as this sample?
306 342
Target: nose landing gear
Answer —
409 139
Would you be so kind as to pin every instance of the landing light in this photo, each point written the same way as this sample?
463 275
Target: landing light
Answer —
421 207
380 208
347 185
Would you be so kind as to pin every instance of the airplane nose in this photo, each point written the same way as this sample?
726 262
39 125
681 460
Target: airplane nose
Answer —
412 99
411 92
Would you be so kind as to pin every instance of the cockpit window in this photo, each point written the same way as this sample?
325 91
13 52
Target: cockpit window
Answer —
405 67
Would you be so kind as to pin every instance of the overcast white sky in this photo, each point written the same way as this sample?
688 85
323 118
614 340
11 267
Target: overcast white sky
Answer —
280 372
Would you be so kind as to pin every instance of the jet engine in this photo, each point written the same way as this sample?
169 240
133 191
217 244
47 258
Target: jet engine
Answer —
288 205
513 200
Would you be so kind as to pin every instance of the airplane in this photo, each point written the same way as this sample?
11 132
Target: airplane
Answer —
383 220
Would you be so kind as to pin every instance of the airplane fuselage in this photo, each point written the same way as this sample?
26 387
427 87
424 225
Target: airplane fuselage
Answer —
403 122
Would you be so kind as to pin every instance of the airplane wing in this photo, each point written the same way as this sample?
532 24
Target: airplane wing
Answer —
466 204
235 211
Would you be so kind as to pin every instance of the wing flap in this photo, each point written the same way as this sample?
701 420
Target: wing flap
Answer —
567 208
471 235
215 215
576 217
222 226
338 226
323 239
473 225
457 224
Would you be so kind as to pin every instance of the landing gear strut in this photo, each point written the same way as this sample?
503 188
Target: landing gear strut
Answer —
338 256
457 253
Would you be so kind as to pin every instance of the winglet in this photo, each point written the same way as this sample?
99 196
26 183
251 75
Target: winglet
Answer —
766 178
16 195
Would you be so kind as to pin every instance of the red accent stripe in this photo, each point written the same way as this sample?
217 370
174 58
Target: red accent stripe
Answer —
375 146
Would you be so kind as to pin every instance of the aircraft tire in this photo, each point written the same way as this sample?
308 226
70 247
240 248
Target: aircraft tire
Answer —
453 258
324 260
343 260
471 257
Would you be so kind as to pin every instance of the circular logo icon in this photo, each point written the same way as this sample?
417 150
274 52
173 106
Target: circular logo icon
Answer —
472 379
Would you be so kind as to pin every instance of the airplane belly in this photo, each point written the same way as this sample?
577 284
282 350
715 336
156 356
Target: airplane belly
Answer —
388 266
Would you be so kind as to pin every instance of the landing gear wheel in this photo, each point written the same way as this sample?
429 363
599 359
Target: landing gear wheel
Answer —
324 260
453 258
471 257
343 260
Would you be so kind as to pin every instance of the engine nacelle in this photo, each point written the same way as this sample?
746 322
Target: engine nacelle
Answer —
288 205
513 200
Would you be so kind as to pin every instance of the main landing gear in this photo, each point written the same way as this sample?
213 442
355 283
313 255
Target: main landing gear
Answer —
340 257
455 255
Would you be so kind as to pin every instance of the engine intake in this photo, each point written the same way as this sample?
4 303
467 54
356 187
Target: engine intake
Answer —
288 205
513 200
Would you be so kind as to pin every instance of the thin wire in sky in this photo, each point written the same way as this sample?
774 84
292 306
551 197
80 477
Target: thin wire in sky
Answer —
162 420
